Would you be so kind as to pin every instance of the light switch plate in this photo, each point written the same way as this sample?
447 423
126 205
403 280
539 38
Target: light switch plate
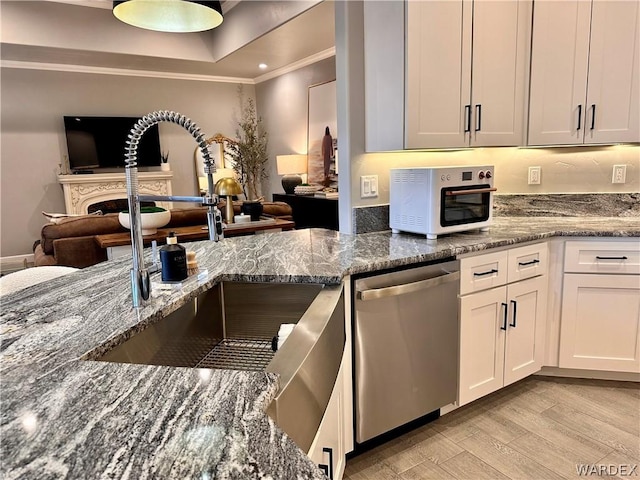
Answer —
534 175
368 186
619 174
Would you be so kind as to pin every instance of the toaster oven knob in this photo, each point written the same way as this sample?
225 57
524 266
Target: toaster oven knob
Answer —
488 174
481 175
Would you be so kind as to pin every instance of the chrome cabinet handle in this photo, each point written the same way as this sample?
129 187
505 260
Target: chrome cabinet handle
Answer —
467 114
593 116
478 118
405 288
623 257
579 117
482 274
453 193
532 262
504 321
514 303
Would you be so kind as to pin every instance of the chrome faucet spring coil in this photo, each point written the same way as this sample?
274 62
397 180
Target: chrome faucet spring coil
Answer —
154 118
140 282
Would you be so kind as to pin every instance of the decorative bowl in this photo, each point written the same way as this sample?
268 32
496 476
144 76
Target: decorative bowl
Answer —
306 189
150 221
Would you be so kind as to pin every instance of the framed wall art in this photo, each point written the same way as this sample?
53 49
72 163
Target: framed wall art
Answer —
322 135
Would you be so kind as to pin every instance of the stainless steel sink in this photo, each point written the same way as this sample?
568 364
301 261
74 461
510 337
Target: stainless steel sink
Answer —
232 325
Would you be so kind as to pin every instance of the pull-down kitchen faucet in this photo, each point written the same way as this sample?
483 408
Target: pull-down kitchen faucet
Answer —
140 282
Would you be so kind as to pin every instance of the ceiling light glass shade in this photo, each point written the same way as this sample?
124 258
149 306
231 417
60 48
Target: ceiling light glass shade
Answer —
169 15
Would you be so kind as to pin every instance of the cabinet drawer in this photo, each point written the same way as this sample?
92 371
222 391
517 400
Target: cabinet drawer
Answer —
527 262
602 257
483 271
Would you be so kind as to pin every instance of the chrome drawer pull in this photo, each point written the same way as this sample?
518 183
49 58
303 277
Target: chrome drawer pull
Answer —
623 257
482 274
532 262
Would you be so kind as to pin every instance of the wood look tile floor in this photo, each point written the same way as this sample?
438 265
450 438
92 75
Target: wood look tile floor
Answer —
539 428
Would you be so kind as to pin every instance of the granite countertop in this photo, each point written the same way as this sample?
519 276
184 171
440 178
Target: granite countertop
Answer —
64 416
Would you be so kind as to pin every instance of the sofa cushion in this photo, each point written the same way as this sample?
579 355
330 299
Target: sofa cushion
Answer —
183 217
79 227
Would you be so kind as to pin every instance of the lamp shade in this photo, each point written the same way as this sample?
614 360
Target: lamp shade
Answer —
291 164
228 186
169 15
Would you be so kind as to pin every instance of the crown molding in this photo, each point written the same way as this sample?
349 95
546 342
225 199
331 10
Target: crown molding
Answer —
316 57
124 72
61 67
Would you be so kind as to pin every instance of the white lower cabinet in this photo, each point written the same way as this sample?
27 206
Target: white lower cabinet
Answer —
328 449
600 324
502 328
501 337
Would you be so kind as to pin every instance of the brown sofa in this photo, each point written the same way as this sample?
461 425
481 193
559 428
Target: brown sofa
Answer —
71 241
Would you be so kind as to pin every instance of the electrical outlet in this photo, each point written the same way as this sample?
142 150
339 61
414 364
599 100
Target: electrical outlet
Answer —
368 186
619 174
534 175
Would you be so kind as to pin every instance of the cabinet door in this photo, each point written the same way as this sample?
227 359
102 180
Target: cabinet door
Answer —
559 63
600 325
501 33
328 449
613 99
482 337
438 73
524 346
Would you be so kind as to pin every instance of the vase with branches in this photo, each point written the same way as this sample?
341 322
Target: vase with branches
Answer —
248 153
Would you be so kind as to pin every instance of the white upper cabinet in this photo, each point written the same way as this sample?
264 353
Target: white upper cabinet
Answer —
501 45
438 74
466 73
585 82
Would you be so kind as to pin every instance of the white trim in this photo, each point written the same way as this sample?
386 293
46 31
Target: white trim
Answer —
61 67
316 57
10 262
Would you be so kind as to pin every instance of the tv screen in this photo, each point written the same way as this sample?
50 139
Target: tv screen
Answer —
99 142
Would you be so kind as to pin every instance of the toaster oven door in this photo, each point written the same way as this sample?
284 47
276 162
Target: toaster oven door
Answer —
462 205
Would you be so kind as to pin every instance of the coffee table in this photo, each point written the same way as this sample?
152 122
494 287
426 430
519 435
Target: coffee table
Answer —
119 244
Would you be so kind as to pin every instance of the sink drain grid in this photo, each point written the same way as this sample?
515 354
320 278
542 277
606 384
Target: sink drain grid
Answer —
239 354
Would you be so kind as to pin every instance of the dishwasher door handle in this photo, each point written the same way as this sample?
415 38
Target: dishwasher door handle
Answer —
395 290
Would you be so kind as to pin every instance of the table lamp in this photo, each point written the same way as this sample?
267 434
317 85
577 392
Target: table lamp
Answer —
227 187
291 166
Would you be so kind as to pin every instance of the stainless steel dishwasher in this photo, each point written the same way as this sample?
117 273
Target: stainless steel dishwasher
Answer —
406 346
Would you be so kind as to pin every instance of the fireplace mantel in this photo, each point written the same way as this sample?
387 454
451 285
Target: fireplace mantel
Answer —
80 191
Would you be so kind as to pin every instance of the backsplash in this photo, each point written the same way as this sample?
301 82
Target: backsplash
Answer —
568 205
376 218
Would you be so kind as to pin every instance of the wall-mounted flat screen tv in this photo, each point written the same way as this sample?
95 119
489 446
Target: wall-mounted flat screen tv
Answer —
99 142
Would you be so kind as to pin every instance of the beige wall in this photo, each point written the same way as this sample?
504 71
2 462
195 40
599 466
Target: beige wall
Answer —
564 169
33 143
283 104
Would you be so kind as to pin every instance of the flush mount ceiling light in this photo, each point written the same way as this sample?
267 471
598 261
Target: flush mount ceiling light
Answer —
169 15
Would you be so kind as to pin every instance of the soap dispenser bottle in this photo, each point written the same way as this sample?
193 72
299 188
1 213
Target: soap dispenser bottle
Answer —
173 258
